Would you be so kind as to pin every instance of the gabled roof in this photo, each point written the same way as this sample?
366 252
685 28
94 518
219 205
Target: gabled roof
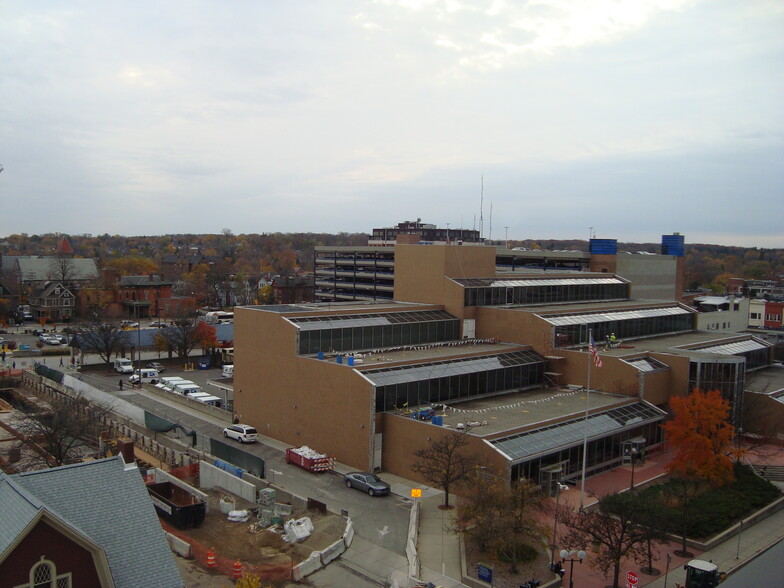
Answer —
104 501
42 269
64 247
48 290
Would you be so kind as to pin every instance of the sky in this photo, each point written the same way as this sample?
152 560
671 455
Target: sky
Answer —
538 119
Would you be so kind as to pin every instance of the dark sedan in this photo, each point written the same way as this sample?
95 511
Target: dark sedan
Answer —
366 482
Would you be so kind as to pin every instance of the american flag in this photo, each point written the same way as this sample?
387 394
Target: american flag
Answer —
597 361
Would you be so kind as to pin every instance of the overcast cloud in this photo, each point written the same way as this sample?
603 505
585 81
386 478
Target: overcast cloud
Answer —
636 117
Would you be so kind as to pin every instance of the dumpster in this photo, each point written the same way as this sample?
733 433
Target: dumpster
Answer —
309 459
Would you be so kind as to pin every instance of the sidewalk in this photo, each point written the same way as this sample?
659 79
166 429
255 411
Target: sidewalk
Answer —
440 554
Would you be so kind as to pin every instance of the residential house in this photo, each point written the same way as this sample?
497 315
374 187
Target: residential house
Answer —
88 524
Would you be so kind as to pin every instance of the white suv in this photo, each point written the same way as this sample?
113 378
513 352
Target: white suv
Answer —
242 433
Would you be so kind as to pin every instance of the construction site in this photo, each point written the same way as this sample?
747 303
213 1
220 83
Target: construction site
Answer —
222 519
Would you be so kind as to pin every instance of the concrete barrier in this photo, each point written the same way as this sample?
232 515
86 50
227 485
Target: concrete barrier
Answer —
411 550
348 534
178 546
332 552
307 567
211 476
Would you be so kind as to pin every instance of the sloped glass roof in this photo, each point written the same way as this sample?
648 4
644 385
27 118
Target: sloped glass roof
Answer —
338 321
587 318
570 433
439 369
647 364
734 348
515 282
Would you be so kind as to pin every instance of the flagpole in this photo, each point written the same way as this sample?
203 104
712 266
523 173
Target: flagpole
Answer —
585 421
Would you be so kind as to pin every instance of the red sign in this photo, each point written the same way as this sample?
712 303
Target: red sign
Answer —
631 578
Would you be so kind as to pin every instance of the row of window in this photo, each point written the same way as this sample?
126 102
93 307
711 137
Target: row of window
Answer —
569 335
494 296
55 302
458 387
603 454
377 336
727 377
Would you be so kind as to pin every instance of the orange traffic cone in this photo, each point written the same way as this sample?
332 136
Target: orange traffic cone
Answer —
211 563
236 572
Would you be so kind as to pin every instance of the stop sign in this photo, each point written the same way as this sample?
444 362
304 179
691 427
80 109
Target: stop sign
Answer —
631 578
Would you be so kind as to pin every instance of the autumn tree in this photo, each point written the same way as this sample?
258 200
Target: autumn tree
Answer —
611 530
496 512
444 462
132 265
701 436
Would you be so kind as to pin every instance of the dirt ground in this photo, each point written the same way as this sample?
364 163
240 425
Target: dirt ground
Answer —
264 552
538 569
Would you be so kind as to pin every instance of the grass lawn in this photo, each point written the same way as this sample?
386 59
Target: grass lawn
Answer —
709 511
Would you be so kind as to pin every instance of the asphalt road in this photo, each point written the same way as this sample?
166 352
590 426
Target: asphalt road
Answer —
380 521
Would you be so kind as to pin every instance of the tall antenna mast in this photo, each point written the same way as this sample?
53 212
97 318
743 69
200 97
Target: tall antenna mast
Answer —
481 206
491 221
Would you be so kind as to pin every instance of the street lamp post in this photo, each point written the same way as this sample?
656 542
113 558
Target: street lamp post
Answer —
571 557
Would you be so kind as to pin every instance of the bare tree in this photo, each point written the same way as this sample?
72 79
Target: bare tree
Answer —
444 463
63 269
181 335
104 338
500 517
58 431
612 531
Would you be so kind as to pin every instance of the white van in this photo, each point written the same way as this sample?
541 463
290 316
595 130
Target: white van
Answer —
123 365
228 371
164 383
171 386
146 375
186 388
210 399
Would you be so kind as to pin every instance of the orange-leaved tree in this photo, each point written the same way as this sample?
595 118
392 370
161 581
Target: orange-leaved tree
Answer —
701 436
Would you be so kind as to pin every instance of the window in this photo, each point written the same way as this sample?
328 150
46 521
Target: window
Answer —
44 575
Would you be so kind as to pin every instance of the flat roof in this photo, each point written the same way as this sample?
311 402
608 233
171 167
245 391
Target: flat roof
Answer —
684 343
423 352
518 410
769 380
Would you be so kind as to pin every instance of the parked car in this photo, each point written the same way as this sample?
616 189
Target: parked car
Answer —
367 482
242 433
51 340
154 365
157 324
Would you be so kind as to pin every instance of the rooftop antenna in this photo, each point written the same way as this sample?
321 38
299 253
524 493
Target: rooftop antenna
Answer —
481 205
490 236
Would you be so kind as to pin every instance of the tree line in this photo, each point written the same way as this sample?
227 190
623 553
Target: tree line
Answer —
706 266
